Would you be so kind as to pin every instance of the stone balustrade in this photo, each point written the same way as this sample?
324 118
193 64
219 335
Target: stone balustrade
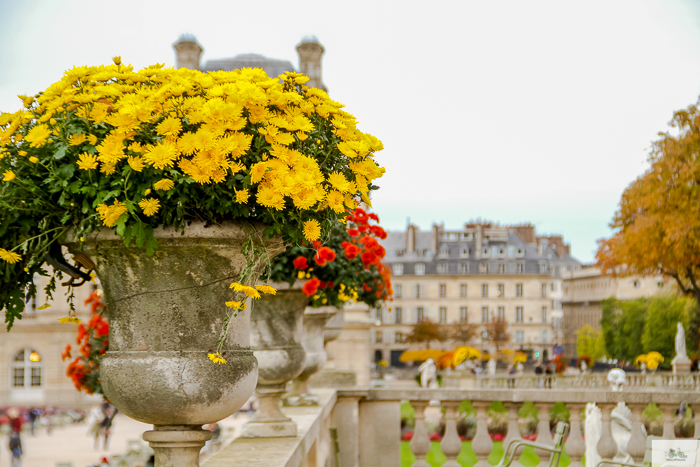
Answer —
368 425
635 381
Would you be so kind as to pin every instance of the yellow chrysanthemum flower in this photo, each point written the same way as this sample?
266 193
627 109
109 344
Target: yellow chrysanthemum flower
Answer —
150 206
217 358
339 182
8 176
87 161
77 139
22 153
136 163
92 139
267 289
44 306
164 184
69 320
117 60
169 127
335 201
248 291
235 304
111 214
242 195
9 256
37 135
161 156
33 159
312 230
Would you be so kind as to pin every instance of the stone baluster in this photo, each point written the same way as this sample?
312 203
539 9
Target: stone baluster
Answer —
451 444
607 448
482 445
513 430
575 446
544 435
637 444
669 411
420 444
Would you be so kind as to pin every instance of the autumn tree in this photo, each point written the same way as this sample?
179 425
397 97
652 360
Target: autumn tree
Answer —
425 332
463 332
656 229
590 342
497 332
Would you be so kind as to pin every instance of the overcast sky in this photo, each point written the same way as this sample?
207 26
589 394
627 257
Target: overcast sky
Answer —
510 111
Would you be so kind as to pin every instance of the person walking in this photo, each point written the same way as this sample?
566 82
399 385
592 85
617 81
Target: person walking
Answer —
15 446
95 420
109 412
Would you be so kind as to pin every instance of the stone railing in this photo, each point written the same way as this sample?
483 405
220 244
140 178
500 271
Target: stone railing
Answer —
368 426
635 381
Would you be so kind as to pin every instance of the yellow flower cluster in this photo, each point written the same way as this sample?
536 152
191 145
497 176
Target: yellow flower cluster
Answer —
9 256
203 125
217 358
69 320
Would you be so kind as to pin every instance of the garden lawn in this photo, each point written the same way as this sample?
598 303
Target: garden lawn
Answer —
467 457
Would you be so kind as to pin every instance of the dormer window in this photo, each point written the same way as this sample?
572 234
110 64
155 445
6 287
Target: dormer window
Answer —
400 252
484 268
397 269
444 251
420 269
485 251
464 253
442 268
464 268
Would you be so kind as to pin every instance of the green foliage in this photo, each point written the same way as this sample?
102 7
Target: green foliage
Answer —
467 458
660 327
590 342
622 325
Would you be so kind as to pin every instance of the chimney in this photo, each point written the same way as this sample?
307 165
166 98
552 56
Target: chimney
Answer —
557 241
435 237
526 232
187 52
410 238
310 52
478 239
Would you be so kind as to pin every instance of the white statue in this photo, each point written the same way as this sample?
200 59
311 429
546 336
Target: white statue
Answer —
644 368
428 374
491 367
617 379
681 353
519 368
584 367
592 432
621 427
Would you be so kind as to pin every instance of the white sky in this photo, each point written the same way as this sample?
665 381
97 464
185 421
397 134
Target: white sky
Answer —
511 111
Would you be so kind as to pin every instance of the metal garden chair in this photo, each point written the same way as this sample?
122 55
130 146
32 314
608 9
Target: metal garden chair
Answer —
510 453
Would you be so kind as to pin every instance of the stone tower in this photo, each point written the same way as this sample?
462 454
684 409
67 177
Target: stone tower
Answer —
187 52
310 53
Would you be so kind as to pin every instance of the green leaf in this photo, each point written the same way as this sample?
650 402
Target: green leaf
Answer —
58 155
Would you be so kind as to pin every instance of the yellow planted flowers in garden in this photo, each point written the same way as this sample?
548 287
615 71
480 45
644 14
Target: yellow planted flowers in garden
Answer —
110 147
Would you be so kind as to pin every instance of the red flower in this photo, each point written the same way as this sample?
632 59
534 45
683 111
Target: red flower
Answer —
317 244
322 285
351 251
66 353
301 263
360 216
327 254
362 228
368 258
373 216
378 231
353 232
320 261
310 287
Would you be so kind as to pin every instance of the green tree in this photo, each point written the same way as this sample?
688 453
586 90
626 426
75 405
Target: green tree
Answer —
622 325
590 342
660 326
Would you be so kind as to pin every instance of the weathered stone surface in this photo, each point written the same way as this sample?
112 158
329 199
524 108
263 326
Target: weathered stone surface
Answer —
166 314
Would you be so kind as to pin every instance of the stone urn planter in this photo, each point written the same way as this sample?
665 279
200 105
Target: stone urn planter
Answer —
315 320
166 314
276 338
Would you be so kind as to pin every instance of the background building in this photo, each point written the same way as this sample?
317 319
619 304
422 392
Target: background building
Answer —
584 290
475 274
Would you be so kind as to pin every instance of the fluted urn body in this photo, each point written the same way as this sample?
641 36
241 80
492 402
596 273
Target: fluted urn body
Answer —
167 313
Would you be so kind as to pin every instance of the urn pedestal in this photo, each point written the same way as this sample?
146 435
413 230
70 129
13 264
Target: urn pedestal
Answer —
166 314
276 335
315 320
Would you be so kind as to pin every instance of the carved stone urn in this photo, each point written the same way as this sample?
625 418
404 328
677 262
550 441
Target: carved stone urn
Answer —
315 320
276 338
166 314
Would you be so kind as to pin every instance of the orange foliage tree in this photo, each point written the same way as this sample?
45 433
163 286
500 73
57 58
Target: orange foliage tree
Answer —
497 332
426 331
656 229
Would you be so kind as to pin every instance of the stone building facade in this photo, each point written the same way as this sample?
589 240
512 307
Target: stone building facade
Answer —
474 274
584 290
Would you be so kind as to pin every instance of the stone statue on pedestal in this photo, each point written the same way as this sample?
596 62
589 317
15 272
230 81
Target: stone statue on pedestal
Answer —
491 367
428 374
621 427
681 362
592 433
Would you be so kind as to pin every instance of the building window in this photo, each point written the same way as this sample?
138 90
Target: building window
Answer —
519 337
519 268
484 290
419 314
501 268
463 290
400 252
398 317
501 312
544 335
379 315
418 287
518 290
463 314
464 268
377 337
544 290
553 287
501 292
464 253
443 290
518 314
443 315
484 314
442 268
420 269
543 268
544 314
398 338
26 369
444 251
484 268
397 269
398 290
637 284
